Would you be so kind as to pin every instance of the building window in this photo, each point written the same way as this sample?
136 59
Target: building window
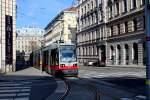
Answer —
125 5
117 8
111 31
126 27
142 2
135 24
92 19
133 4
110 13
144 22
84 9
118 28
88 7
92 5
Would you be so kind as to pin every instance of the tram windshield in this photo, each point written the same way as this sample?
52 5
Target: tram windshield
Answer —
67 54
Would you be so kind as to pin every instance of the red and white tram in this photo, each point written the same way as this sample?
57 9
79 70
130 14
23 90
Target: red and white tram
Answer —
57 58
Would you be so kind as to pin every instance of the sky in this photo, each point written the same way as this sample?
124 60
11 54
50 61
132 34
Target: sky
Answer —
39 12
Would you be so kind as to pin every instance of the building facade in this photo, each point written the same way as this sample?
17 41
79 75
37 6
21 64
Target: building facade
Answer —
62 27
28 39
91 37
111 31
7 35
125 31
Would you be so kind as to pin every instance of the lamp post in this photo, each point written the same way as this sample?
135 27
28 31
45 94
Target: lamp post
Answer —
147 15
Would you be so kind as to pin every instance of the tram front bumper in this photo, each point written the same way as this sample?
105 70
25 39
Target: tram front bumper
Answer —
70 72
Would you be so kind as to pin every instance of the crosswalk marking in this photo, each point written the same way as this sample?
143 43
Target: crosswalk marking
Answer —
117 74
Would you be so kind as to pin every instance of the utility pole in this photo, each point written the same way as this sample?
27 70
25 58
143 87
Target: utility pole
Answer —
147 17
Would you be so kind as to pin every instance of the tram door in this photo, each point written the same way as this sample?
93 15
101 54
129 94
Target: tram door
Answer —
45 61
54 60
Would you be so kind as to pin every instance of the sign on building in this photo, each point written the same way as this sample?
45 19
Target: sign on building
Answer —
9 39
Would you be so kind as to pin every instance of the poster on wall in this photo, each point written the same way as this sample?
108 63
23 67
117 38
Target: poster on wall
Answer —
9 39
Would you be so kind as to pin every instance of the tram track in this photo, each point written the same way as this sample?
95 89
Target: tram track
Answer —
83 84
89 85
67 89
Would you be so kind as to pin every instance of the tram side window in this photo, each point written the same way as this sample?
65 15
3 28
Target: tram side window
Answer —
54 60
45 58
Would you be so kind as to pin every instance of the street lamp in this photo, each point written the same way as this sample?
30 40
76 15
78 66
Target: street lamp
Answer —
147 15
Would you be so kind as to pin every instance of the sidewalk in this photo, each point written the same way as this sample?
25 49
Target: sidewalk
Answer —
23 74
27 84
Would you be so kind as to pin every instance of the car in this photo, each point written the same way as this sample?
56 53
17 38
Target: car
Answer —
89 63
99 63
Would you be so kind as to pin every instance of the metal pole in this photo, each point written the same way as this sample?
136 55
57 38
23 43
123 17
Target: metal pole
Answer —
147 26
41 60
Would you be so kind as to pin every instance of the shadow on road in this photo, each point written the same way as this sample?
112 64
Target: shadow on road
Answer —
115 88
19 87
131 84
22 65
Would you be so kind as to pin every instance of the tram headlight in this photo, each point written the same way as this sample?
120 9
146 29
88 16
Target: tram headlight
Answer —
74 64
62 65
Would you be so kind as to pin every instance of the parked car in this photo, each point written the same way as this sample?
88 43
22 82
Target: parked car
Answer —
99 63
89 63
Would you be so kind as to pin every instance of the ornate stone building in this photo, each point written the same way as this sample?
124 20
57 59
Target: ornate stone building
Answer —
125 32
28 40
7 35
91 37
111 31
62 27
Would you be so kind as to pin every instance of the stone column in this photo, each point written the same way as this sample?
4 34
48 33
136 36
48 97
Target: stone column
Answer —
99 53
122 54
140 54
107 54
130 54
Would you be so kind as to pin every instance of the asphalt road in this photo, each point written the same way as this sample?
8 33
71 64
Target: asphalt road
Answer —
131 81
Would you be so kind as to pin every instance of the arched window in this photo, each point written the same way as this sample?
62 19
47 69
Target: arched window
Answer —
119 54
112 55
135 53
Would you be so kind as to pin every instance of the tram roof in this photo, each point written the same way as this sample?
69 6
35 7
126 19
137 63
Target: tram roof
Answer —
55 45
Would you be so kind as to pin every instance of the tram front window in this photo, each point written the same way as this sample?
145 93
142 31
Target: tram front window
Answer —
67 55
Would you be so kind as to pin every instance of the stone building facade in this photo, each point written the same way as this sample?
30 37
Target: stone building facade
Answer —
62 27
7 35
125 32
28 40
91 37
111 31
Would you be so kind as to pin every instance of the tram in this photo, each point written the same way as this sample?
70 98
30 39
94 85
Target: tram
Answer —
57 58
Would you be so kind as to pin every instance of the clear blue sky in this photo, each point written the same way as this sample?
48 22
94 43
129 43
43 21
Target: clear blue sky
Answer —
39 12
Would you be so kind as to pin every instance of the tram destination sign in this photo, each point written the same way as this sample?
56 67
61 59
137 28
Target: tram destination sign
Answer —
9 39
